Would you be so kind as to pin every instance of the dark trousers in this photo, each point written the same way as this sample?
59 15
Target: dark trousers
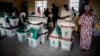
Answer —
54 20
48 21
54 23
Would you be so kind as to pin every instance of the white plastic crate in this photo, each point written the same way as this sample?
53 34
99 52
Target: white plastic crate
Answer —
35 26
44 38
60 22
54 33
66 32
33 42
22 36
43 30
0 30
3 32
14 22
35 20
44 20
2 20
54 42
11 32
65 23
5 24
65 44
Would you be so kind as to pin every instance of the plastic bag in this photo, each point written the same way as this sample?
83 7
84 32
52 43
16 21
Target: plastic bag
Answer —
58 30
35 33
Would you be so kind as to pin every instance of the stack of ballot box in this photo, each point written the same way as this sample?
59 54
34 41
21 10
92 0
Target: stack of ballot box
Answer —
9 25
62 35
35 27
44 35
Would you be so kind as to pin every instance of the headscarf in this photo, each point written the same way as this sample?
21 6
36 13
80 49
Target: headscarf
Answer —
87 7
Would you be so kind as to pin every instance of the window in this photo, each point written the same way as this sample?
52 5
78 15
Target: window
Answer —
74 3
41 4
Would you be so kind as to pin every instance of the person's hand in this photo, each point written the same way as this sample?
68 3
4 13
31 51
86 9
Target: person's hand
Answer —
65 17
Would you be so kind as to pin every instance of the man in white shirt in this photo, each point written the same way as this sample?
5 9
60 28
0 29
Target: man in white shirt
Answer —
66 13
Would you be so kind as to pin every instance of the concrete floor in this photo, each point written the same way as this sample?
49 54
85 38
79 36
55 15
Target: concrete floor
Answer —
12 47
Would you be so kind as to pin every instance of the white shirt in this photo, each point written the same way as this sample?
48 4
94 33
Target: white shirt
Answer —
64 13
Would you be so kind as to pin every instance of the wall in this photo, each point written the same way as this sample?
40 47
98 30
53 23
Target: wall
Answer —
17 3
31 4
96 6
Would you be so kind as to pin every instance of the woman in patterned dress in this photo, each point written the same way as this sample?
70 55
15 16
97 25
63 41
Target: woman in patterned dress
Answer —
86 22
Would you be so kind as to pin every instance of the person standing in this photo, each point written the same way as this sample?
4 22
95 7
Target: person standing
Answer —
86 22
22 18
15 12
66 13
47 14
38 11
55 16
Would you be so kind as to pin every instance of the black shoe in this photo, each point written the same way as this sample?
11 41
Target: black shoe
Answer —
83 50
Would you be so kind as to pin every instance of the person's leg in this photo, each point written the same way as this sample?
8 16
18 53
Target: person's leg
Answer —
53 20
48 23
85 40
82 39
53 24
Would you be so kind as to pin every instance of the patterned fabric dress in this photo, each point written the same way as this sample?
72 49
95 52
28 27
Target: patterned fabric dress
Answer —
86 23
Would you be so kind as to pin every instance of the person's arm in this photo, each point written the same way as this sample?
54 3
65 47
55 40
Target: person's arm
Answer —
81 19
61 14
65 17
